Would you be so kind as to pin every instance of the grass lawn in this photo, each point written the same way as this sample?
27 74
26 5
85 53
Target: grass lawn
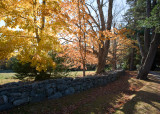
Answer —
10 77
106 99
7 78
124 96
145 101
80 73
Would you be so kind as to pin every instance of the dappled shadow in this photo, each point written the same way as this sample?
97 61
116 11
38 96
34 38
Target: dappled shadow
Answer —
96 100
7 71
103 98
154 77
141 96
145 101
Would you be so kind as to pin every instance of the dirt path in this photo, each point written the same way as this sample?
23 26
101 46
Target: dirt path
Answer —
146 100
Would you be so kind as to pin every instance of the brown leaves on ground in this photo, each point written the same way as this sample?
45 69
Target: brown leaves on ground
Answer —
121 86
101 100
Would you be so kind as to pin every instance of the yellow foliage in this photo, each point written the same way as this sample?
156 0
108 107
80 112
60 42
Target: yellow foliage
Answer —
39 23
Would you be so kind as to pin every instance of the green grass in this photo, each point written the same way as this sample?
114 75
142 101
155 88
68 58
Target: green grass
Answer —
7 75
102 99
10 77
7 78
145 101
80 73
92 101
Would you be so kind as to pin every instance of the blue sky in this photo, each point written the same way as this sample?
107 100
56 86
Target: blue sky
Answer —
2 23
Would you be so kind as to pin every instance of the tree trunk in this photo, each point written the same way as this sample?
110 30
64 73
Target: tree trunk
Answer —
103 50
141 49
82 52
114 60
84 58
109 22
150 48
101 61
84 70
131 66
147 38
144 70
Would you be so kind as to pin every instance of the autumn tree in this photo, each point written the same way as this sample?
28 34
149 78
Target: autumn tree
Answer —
76 34
39 22
119 51
94 27
89 37
104 46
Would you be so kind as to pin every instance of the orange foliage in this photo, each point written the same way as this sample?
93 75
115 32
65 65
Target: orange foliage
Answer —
83 40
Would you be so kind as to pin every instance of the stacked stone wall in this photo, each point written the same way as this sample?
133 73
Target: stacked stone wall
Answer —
51 89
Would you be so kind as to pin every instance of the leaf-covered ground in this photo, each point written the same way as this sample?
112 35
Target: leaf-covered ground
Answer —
146 100
126 95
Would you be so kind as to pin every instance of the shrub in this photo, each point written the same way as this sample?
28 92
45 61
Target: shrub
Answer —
24 70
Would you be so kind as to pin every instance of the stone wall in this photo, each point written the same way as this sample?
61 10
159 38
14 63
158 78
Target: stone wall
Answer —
52 89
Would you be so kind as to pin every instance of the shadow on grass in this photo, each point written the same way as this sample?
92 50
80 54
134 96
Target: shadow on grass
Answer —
96 100
154 78
102 100
7 71
145 101
139 103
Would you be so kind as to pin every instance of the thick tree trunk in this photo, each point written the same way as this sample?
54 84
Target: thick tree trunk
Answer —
147 37
141 49
103 49
101 61
150 48
145 68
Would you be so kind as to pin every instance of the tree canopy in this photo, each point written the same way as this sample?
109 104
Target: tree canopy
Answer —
39 25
